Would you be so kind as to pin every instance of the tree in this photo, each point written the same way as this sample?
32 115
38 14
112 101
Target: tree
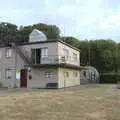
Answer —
11 33
51 31
105 55
8 32
71 40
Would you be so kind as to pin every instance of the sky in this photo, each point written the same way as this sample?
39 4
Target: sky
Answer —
83 19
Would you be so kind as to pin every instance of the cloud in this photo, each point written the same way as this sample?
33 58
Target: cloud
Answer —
79 18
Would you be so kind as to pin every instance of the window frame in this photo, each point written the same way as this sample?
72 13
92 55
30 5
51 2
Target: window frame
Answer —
49 74
75 74
0 54
44 52
66 74
7 72
0 74
7 53
66 53
75 57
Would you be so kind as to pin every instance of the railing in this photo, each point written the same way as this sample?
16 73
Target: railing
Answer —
21 53
55 59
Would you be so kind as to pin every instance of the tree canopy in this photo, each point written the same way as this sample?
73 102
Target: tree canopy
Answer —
13 33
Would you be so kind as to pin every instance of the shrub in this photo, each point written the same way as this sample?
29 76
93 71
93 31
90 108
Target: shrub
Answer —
109 78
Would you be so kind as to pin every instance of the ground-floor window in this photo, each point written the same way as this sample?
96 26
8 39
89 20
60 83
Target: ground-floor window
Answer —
66 74
75 74
0 75
84 73
8 74
49 74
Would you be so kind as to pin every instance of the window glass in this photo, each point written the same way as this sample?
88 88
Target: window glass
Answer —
8 74
44 52
8 52
66 74
0 54
66 53
74 57
84 73
0 75
75 74
49 74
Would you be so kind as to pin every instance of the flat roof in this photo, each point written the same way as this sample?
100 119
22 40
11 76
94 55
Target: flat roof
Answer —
3 44
49 41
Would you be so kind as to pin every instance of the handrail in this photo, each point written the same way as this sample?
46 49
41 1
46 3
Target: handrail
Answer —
18 50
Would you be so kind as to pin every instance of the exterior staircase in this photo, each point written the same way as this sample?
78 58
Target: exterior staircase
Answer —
21 54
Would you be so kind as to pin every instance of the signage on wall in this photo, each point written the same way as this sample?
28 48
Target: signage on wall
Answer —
17 73
18 70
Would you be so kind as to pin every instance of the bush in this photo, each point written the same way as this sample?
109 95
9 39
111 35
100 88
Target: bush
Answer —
109 78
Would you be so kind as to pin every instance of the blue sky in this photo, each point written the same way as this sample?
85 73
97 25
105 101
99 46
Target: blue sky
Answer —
84 19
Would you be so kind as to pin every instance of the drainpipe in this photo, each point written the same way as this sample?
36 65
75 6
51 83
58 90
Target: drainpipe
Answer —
64 80
15 68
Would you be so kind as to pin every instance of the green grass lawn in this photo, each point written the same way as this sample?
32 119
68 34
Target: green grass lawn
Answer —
91 102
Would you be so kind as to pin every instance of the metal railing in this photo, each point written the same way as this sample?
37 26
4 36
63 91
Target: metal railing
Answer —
55 59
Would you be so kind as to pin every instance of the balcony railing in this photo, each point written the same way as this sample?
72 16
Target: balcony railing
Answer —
55 59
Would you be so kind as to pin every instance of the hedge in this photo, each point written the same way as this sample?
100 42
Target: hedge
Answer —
109 78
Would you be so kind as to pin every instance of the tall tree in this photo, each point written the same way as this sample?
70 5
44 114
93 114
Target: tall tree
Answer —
71 40
51 31
8 32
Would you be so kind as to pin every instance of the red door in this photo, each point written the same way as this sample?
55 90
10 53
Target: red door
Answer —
23 78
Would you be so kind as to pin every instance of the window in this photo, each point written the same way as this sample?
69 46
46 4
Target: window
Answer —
66 74
8 74
75 74
37 53
44 52
0 75
33 55
8 52
74 57
84 73
49 74
0 54
66 53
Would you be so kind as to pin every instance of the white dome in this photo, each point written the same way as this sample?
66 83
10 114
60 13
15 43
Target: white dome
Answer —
36 36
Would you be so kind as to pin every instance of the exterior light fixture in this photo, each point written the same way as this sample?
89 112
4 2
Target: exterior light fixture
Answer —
29 69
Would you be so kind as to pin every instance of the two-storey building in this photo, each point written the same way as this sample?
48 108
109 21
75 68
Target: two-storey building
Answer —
40 63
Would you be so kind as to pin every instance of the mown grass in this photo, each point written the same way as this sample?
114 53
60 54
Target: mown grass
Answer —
91 102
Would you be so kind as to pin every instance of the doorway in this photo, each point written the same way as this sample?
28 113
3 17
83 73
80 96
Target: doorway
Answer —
23 78
36 56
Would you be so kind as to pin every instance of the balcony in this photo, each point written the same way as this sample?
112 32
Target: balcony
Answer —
54 60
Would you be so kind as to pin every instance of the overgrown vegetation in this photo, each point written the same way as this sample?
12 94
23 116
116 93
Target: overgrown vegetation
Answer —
109 78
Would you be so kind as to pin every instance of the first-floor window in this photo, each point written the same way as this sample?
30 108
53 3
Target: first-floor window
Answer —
8 74
49 74
44 52
66 53
8 52
74 57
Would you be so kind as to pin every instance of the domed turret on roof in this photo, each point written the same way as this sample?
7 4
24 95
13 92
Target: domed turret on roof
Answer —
36 36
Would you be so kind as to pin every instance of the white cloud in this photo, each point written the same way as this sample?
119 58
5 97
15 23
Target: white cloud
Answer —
111 22
84 18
